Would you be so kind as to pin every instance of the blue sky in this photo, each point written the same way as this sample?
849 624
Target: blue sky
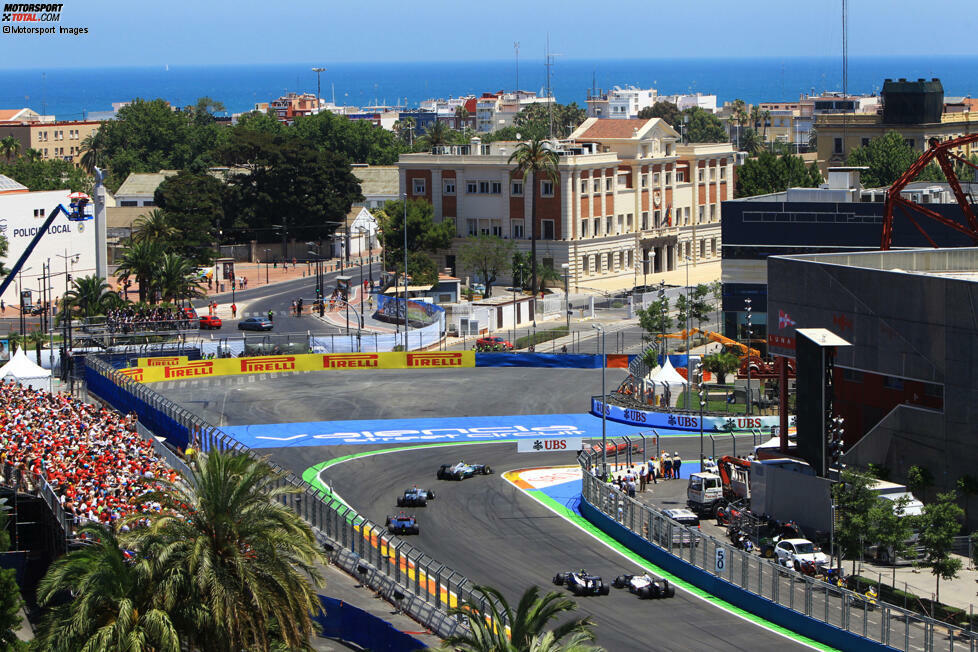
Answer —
258 31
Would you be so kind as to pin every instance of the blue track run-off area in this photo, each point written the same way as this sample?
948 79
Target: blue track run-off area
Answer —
416 431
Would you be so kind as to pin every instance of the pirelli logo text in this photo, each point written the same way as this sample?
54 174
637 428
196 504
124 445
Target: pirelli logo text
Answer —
351 361
163 362
273 363
190 370
135 374
446 359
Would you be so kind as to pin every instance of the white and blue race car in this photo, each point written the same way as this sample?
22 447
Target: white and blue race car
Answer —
462 470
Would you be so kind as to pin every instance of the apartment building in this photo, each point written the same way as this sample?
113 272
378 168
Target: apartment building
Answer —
293 105
620 103
497 110
630 201
54 140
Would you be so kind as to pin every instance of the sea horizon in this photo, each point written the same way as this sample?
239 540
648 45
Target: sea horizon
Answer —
71 93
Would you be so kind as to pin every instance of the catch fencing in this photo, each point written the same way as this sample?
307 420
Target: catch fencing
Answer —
820 610
405 575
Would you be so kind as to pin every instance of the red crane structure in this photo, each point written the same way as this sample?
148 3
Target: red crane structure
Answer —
942 153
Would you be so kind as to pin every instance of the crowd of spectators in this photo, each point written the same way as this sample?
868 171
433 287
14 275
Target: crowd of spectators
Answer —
92 457
137 319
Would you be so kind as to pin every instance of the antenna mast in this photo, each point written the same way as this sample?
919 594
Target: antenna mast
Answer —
845 77
516 46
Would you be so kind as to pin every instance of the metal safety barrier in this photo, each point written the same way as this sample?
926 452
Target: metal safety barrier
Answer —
820 601
405 575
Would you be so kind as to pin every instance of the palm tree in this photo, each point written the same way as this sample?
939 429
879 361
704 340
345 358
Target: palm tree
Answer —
750 142
766 117
141 260
115 604
9 147
487 619
177 279
548 275
238 562
94 147
438 134
154 225
33 155
405 129
14 341
91 295
576 642
534 159
461 115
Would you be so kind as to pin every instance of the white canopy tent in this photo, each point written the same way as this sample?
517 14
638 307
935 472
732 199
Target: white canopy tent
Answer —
26 372
666 376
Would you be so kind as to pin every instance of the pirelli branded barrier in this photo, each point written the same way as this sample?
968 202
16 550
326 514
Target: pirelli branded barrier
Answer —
303 362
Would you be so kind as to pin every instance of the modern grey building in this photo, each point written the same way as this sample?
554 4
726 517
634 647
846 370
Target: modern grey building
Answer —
908 385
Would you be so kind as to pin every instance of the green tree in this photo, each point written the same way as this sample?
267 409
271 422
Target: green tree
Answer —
891 529
140 260
359 141
655 320
938 525
487 256
853 499
521 269
237 561
177 279
93 147
404 128
919 479
887 157
751 142
967 486
53 174
9 147
721 364
424 237
37 338
665 110
716 293
10 600
533 614
261 122
90 296
437 134
548 274
291 182
154 226
701 126
115 603
194 206
768 173
534 161
533 123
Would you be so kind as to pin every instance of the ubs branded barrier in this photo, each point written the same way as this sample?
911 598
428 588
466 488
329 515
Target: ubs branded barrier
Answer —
420 585
827 613
301 362
686 421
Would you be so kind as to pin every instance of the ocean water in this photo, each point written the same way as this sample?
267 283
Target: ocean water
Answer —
70 93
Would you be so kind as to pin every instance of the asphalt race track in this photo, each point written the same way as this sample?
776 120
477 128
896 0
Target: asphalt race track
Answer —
483 527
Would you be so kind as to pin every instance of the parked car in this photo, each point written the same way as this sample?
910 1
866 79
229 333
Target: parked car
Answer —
210 322
255 324
494 344
680 536
792 552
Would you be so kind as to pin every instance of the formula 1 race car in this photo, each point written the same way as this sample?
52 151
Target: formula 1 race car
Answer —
402 524
415 497
645 586
462 470
582 583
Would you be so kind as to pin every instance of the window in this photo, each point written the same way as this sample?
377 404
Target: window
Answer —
449 186
518 230
645 220
586 265
645 181
607 262
418 186
548 230
668 178
546 188
699 175
483 187
865 142
38 212
584 228
837 146
621 223
497 188
699 216
596 185
623 180
517 189
655 179
702 248
713 247
149 202
130 203
583 186
658 218
497 230
609 225
473 227
723 173
680 176
713 174
713 212
607 184
597 226
471 187
628 221
686 215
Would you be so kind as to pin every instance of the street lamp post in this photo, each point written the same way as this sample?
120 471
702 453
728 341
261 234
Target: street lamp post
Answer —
750 335
688 311
604 407
20 292
318 71
702 393
567 313
267 251
73 258
406 323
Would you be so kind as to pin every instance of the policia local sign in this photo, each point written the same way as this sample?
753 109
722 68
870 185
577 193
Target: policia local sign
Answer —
177 368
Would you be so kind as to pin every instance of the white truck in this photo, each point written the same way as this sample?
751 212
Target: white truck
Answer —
703 493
